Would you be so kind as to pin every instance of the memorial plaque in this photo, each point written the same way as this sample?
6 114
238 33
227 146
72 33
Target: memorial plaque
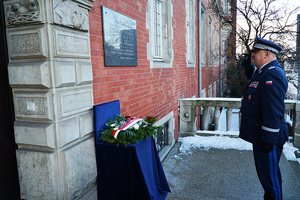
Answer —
120 46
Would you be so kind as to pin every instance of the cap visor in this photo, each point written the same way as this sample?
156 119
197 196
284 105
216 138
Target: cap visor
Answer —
255 49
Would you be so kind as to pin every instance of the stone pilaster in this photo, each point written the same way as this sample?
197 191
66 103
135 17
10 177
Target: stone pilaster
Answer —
50 73
187 119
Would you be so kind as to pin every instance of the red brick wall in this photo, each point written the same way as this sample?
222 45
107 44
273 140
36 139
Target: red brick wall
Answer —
142 90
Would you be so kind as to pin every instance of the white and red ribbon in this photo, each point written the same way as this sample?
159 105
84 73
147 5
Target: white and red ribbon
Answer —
126 126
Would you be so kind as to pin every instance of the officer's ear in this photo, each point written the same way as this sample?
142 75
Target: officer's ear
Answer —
267 54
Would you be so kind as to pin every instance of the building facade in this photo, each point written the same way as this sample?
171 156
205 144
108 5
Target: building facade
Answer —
58 68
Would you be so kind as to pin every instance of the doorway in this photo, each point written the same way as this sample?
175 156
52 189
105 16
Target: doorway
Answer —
9 181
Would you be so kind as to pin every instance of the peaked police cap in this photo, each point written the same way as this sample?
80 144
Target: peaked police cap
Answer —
262 44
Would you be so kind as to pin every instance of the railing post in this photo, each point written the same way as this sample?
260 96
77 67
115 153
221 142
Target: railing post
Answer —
204 121
228 118
294 122
240 118
297 125
187 119
217 117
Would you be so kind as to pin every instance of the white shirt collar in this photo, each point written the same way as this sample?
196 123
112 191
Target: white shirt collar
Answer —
259 70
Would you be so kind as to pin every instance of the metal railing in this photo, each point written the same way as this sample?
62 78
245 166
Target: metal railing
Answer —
209 110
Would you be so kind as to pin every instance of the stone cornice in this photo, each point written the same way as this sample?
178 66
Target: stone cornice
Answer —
87 4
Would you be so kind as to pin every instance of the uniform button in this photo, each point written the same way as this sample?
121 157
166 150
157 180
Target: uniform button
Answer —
275 138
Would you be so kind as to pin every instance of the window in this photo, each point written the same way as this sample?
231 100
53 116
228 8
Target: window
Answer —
210 42
165 140
157 30
229 51
215 46
226 7
190 29
203 93
159 22
162 137
203 37
215 89
210 90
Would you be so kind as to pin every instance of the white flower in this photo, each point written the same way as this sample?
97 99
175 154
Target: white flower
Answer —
136 126
116 129
112 125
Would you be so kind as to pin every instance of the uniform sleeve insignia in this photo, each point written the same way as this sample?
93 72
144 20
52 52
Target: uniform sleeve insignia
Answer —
254 84
269 82
272 67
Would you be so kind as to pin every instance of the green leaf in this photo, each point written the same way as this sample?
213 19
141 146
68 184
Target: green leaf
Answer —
129 136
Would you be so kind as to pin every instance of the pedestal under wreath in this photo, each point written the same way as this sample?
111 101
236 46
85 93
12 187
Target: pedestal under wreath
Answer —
127 170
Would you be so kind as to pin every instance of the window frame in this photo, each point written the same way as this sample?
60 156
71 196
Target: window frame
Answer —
165 59
190 33
203 35
157 30
210 41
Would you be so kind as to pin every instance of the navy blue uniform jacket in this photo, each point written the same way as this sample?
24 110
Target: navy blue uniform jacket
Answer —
263 107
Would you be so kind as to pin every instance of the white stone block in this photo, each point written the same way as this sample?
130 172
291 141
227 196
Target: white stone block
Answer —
33 105
64 73
71 44
86 124
70 14
68 131
84 73
37 134
24 43
37 176
29 15
75 100
79 168
29 75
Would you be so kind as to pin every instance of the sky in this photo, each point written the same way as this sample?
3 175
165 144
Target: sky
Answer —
281 6
226 142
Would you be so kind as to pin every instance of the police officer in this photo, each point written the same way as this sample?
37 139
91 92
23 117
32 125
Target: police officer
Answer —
263 109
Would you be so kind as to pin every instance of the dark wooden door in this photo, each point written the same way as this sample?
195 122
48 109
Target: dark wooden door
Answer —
9 181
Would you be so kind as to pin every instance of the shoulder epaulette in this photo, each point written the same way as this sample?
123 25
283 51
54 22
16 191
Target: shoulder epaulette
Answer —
272 67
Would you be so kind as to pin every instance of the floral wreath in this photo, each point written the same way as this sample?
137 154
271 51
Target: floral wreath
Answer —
126 130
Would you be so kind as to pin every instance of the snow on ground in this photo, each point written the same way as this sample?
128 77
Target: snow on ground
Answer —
226 142
218 142
289 151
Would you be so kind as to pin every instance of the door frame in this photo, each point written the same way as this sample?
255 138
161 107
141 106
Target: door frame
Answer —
10 187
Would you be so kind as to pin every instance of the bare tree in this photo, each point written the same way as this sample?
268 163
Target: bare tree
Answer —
264 18
269 19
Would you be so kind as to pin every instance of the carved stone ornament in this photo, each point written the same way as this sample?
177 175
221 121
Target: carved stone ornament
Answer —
22 12
69 14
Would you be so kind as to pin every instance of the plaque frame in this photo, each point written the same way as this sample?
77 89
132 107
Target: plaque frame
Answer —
119 39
